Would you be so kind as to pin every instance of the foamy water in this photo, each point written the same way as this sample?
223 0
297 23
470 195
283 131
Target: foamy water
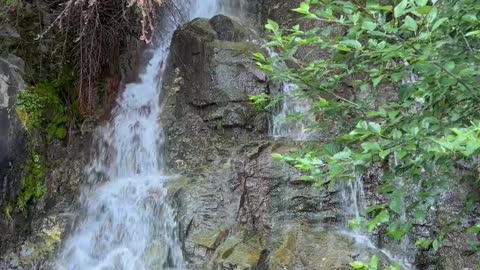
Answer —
125 221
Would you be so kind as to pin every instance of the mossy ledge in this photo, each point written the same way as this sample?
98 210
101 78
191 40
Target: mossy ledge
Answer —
46 111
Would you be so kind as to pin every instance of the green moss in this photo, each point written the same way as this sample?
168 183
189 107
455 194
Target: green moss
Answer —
8 212
47 107
240 48
30 108
209 239
241 256
33 184
282 257
43 248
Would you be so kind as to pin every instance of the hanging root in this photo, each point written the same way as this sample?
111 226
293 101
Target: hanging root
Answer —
96 32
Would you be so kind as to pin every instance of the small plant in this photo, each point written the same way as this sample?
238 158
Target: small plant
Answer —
8 212
42 107
260 102
33 184
475 230
373 265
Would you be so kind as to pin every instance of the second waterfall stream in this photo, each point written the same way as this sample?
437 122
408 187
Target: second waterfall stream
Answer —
125 222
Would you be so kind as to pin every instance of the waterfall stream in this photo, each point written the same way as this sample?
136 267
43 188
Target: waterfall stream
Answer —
286 125
125 222
292 105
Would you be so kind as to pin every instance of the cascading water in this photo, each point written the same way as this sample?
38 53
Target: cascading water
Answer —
293 105
353 200
125 222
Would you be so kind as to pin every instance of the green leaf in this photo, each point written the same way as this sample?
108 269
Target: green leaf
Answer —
259 56
371 146
401 154
303 9
423 243
345 154
368 25
277 156
396 134
400 9
358 265
438 23
436 245
272 26
411 24
380 218
424 10
395 266
384 154
474 230
450 66
377 80
420 215
375 127
397 229
396 202
471 18
374 263
421 3
355 44
355 18
473 33
432 15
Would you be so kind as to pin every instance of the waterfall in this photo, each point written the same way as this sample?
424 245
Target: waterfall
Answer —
292 105
125 222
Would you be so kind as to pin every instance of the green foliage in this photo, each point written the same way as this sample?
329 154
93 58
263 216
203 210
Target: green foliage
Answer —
373 265
428 52
260 102
33 183
475 230
362 266
42 107
8 212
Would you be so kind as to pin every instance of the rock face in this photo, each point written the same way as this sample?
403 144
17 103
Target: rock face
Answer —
12 134
30 236
237 208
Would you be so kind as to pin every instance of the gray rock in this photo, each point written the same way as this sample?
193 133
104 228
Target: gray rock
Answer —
12 134
6 31
234 201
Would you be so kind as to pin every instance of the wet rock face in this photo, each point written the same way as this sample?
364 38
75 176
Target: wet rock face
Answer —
12 134
237 208
30 237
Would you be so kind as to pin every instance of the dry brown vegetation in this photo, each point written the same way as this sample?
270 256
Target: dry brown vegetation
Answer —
96 32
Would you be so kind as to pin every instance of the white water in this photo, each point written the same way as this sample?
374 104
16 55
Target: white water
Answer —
353 200
292 105
352 194
125 222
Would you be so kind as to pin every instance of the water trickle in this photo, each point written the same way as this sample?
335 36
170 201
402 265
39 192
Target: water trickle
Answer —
290 121
125 222
353 200
351 193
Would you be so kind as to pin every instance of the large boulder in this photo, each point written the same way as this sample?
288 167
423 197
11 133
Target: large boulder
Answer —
237 207
30 236
12 134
